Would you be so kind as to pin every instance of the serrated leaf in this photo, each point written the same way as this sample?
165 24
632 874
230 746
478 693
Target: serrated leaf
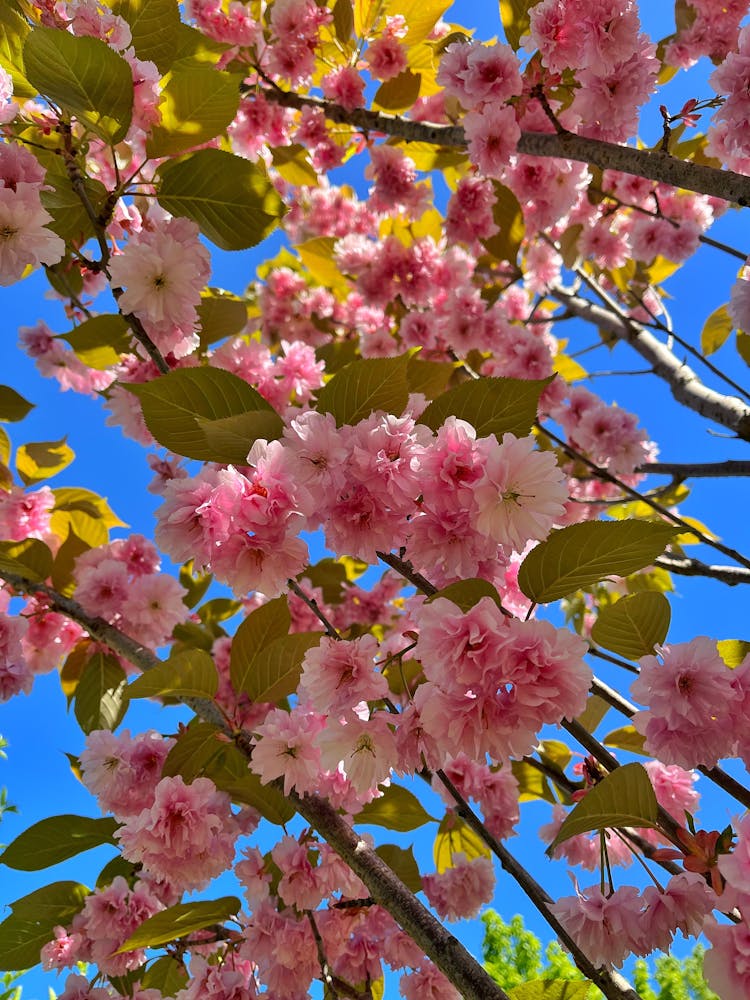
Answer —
231 200
194 748
229 439
428 377
466 593
365 386
189 673
83 76
508 217
402 863
101 697
274 672
515 17
100 341
13 33
167 974
532 784
33 919
84 512
398 93
491 405
196 104
626 738
40 460
229 772
30 558
179 921
455 837
733 651
716 330
551 989
63 568
396 809
221 314
625 797
13 406
154 26
632 626
265 624
180 407
55 839
581 555
568 368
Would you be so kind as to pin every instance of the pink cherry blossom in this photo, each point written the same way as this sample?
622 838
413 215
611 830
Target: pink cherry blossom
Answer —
460 891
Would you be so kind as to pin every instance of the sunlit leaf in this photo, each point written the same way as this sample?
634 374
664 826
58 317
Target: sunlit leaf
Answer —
189 673
154 26
455 837
55 839
40 460
626 738
365 386
733 651
179 921
396 809
100 341
491 405
196 104
632 626
551 989
515 17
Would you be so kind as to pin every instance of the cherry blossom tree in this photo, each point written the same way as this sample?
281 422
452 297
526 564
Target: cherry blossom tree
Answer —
400 383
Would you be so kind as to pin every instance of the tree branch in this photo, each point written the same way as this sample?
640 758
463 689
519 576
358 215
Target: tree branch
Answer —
685 566
684 384
696 470
655 166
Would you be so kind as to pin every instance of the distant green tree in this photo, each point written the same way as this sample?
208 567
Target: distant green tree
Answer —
514 955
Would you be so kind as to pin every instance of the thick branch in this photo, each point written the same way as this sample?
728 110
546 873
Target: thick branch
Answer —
684 566
655 166
697 470
684 384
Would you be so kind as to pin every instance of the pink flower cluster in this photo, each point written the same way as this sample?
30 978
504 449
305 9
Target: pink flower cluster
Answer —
25 240
462 890
698 709
710 29
727 964
120 582
727 136
123 771
492 681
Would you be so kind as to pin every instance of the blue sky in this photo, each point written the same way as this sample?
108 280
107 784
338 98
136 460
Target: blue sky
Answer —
37 727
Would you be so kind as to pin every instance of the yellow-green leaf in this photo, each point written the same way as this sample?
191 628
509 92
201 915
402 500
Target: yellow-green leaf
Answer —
39 460
101 697
179 921
421 16
196 104
63 569
184 407
167 974
343 20
623 798
55 839
154 26
595 710
402 863
568 368
98 342
30 558
86 513
84 76
515 17
742 342
508 217
193 750
262 626
189 673
13 406
632 626
221 314
733 651
491 405
293 163
532 784
399 93
274 672
626 738
396 809
33 919
716 330
231 200
466 593
551 989
365 386
581 555
13 33
455 837
317 256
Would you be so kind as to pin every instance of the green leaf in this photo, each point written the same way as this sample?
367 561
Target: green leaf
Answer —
733 651
398 93
98 342
632 626
268 622
179 921
317 256
221 314
421 16
30 558
231 438
197 103
625 797
716 330
167 974
83 76
402 863
13 406
190 673
365 386
532 784
742 342
466 593
55 839
229 772
508 217
13 33
230 199
70 220
293 163
154 25
396 809
184 407
195 583
581 555
551 989
101 698
39 460
595 710
118 865
274 672
85 513
428 377
195 49
194 748
515 17
626 738
455 837
491 405
343 20
33 919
